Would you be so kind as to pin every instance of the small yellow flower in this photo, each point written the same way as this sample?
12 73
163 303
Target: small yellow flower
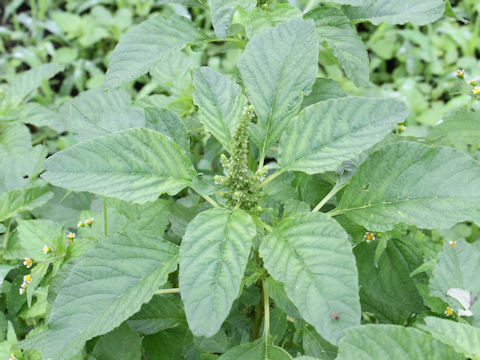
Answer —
46 249
71 236
27 262
369 236
449 311
473 82
460 73
21 291
452 243
476 90
89 221
80 224
402 127
12 357
27 279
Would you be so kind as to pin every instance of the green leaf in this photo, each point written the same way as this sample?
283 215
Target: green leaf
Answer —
17 201
168 123
463 127
334 27
221 103
316 346
213 257
367 342
4 270
277 293
162 312
221 12
260 20
120 344
411 183
146 44
257 350
463 338
323 89
134 165
387 290
117 276
277 67
167 344
33 235
330 132
302 252
24 83
397 12
457 267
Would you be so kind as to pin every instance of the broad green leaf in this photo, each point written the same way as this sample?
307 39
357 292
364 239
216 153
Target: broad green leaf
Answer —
168 123
257 350
277 293
221 12
134 165
221 103
457 267
315 345
260 19
120 344
334 27
463 127
323 89
372 342
33 235
397 12
302 252
162 312
411 183
146 44
463 338
39 115
4 270
117 276
277 67
330 132
17 201
199 3
24 83
213 257
387 290
167 344
349 2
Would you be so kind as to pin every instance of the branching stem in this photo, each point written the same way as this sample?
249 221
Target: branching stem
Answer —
167 291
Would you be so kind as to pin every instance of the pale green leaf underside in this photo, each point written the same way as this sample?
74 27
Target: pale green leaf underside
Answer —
457 267
330 132
397 12
334 27
220 103
463 127
373 342
463 338
221 12
144 45
411 183
106 287
260 20
276 68
213 257
311 255
134 165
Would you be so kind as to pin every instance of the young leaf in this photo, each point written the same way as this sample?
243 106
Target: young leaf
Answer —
367 342
302 252
397 12
220 103
134 165
168 123
117 276
148 43
334 27
221 12
213 257
330 132
277 67
120 344
463 338
411 183
260 20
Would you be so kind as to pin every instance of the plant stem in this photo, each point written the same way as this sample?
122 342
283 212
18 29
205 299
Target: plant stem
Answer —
211 201
168 291
332 192
277 173
266 310
105 225
257 322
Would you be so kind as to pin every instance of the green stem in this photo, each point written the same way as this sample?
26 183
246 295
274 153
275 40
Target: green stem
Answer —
105 225
211 201
332 193
257 322
276 174
168 291
266 310
267 227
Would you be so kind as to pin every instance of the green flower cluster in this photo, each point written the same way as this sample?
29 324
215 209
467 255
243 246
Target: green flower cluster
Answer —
242 185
